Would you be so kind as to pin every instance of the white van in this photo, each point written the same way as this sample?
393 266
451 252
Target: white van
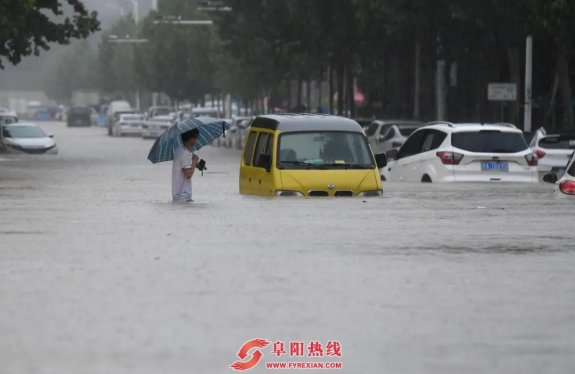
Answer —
114 108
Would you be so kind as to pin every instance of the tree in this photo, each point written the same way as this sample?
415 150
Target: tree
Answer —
26 27
178 60
74 69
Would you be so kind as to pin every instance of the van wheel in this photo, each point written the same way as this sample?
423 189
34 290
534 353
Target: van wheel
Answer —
425 179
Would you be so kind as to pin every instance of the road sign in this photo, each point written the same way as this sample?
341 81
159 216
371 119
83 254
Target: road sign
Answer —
502 91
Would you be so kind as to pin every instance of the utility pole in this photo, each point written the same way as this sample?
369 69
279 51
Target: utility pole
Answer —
528 84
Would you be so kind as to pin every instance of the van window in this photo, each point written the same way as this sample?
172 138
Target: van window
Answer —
260 148
250 148
324 149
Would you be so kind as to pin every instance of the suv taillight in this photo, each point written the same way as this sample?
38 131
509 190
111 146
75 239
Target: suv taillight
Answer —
539 153
450 158
567 187
532 160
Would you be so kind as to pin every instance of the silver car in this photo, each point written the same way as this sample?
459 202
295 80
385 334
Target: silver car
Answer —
28 138
386 135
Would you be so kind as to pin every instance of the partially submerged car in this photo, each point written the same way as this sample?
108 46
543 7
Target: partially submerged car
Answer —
448 152
128 124
553 151
308 155
28 138
154 127
565 186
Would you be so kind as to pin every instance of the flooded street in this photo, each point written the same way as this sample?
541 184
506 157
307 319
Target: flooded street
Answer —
101 273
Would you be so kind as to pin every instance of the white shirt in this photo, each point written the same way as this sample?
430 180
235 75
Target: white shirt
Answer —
181 186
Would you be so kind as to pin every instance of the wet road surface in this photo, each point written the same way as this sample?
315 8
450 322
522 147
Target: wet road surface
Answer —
100 273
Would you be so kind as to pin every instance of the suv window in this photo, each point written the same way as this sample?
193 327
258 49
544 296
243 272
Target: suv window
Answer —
390 134
250 148
558 142
432 140
489 141
413 144
261 146
371 129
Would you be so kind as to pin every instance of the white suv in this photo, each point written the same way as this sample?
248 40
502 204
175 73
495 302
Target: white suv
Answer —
553 151
447 152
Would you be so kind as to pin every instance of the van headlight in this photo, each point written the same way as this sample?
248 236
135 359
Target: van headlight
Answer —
289 193
375 193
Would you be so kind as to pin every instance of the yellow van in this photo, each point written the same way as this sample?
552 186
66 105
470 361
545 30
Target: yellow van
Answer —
308 155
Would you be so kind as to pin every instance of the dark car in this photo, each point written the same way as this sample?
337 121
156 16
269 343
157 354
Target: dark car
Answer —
79 116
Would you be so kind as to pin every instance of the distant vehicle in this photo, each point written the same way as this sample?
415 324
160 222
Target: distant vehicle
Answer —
8 117
564 186
79 116
128 124
154 127
206 111
447 152
553 151
115 108
236 135
386 135
156 111
28 138
308 155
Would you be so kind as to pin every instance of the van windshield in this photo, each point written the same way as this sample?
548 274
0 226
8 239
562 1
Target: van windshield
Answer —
324 150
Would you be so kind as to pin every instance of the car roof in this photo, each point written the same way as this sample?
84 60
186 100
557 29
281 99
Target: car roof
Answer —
305 122
401 122
467 127
22 124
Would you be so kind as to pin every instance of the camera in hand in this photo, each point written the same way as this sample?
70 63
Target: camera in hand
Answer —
201 165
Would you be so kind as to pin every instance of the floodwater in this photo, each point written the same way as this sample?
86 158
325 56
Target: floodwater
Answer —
100 273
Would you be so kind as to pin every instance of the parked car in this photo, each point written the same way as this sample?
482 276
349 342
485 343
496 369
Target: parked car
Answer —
564 186
129 123
386 135
156 111
114 110
236 135
447 152
308 155
8 117
28 138
553 151
79 116
205 111
154 127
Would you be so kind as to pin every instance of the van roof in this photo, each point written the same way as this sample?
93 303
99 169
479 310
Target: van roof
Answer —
305 122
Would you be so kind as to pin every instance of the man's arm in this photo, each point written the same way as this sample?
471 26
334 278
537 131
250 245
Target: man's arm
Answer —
189 171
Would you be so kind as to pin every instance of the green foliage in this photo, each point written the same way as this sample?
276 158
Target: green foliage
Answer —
27 26
73 69
178 60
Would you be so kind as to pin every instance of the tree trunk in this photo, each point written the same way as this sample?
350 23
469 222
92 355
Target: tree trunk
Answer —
340 76
515 75
350 91
331 90
564 89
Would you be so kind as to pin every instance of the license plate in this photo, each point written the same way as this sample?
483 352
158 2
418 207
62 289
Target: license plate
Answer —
494 166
